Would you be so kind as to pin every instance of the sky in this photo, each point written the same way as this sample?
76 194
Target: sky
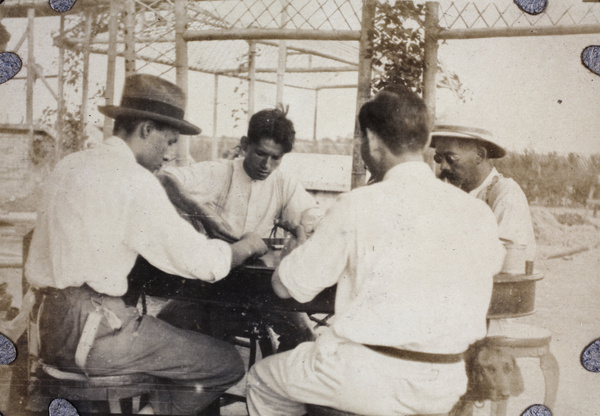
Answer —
531 92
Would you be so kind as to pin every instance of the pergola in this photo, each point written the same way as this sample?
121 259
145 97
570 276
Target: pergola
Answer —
305 44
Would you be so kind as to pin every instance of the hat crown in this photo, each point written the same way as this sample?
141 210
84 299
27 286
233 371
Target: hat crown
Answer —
150 87
451 131
150 97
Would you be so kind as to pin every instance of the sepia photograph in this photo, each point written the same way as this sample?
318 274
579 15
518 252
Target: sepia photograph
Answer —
300 207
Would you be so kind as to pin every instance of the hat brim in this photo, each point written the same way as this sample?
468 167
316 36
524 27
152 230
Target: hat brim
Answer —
494 151
183 126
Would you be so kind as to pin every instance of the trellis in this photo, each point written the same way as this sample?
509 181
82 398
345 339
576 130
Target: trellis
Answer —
288 43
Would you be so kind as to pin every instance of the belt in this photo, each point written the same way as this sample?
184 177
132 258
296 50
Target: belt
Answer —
424 357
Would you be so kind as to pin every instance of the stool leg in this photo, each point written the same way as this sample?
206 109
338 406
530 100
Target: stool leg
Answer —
135 404
550 370
114 404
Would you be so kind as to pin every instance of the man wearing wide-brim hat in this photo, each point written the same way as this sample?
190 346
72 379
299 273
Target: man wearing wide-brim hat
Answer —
465 157
100 209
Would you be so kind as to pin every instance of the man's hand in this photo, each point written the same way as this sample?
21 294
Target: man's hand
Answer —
250 245
292 243
213 225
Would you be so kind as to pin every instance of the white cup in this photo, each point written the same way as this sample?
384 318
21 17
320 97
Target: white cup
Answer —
514 261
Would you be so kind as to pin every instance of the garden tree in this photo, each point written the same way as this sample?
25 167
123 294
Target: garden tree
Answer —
398 42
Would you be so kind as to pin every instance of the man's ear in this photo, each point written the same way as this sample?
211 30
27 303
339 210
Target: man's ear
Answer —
145 127
244 143
374 141
482 152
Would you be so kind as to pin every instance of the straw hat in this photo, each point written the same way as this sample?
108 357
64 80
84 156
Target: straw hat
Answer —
151 97
447 131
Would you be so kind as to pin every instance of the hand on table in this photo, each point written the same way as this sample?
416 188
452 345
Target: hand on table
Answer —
255 243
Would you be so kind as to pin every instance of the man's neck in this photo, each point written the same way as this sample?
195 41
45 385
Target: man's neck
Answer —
394 160
482 173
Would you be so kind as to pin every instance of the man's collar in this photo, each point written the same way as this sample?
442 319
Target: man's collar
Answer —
415 168
485 183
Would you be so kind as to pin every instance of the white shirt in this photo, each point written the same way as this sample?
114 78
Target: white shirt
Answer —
413 258
509 203
250 205
99 209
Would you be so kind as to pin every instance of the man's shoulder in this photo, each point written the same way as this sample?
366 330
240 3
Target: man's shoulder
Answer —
505 187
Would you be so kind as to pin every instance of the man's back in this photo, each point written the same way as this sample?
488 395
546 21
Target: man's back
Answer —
420 257
99 209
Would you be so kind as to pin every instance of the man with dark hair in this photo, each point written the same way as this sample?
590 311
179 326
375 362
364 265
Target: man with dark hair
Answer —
465 156
228 198
413 259
99 209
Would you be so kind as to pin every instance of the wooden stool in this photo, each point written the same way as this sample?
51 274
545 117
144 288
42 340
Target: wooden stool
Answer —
526 341
83 390
315 410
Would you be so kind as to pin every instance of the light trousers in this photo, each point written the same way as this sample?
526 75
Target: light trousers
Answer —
344 375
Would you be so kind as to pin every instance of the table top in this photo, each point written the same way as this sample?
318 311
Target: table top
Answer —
249 287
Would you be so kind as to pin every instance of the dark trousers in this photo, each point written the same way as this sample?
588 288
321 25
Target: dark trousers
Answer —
192 369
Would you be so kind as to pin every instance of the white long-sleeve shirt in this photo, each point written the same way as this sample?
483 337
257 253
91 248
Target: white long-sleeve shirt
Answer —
413 259
99 209
248 205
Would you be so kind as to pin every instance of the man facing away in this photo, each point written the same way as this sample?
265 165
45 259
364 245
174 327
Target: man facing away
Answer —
100 208
413 259
228 198
465 157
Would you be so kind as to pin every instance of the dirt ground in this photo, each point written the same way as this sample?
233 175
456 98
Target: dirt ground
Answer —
567 304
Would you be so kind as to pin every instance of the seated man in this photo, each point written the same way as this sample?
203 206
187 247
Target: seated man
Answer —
413 259
99 209
465 157
228 198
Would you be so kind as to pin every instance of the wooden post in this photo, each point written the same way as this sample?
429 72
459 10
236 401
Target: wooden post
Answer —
85 79
215 105
364 87
214 143
109 92
181 72
282 55
30 67
251 77
430 58
61 87
129 32
315 116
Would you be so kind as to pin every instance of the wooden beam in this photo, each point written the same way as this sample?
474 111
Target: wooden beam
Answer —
61 96
30 65
364 86
129 23
251 77
430 51
279 34
85 79
509 32
181 71
111 65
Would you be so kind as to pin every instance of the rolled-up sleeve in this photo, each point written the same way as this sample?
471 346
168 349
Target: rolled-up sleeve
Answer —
320 262
157 232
